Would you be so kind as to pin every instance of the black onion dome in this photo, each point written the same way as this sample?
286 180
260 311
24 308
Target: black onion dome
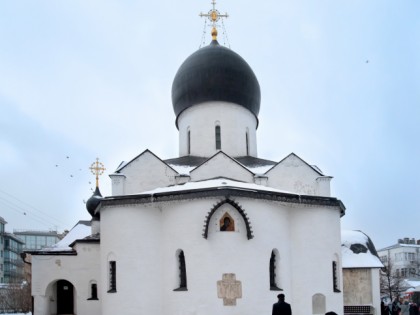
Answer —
215 73
93 202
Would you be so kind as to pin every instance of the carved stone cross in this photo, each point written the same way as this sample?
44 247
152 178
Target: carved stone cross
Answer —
229 289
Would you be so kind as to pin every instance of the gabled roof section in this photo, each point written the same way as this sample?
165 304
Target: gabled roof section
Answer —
313 167
81 230
222 165
185 164
223 154
187 160
256 165
124 164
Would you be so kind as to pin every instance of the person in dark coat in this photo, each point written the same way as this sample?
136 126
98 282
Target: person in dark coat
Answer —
395 307
384 309
414 310
331 313
281 307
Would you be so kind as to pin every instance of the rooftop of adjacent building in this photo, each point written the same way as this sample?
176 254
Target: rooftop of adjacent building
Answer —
13 237
2 221
36 232
403 242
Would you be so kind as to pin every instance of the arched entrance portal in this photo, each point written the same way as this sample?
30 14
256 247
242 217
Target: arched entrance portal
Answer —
65 298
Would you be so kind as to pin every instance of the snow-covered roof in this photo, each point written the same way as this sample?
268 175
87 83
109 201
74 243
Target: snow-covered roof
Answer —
214 183
184 165
81 230
358 251
260 169
221 185
413 284
182 169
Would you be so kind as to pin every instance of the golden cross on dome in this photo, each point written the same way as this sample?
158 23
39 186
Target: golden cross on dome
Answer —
214 16
97 168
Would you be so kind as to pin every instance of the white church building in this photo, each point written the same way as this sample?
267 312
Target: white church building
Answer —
216 230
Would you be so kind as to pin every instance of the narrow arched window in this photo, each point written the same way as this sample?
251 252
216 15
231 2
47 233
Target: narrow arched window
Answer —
182 272
112 277
93 291
336 285
189 142
247 143
273 275
218 138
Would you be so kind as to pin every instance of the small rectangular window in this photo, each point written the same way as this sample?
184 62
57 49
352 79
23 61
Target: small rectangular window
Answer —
112 277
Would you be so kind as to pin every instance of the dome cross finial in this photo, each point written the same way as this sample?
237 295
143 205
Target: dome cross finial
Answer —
97 168
214 16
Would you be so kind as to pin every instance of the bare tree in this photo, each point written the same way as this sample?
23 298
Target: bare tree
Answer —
392 281
16 297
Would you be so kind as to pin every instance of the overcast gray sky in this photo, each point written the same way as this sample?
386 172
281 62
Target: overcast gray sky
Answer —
84 79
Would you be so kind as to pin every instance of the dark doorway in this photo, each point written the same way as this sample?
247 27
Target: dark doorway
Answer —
64 297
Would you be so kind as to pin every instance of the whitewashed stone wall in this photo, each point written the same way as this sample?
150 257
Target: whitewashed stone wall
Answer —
294 175
145 172
307 239
80 270
221 166
131 235
234 120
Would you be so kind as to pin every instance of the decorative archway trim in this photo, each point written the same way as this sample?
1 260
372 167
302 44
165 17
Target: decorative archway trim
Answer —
234 204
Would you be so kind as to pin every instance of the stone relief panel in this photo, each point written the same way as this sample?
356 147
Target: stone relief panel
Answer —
318 304
357 286
229 289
